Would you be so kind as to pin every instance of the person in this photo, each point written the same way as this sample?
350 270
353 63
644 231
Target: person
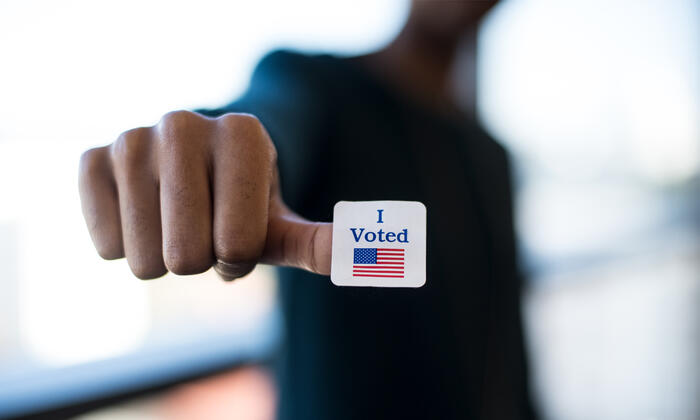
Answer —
216 188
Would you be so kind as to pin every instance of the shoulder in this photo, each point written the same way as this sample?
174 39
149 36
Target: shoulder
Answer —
490 148
283 82
286 66
284 57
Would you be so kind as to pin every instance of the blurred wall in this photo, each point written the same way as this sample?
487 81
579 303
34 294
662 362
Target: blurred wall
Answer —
599 104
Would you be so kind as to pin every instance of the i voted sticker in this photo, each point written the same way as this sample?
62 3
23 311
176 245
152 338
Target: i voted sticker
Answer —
379 244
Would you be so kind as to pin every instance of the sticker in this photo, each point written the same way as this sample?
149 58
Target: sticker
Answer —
379 244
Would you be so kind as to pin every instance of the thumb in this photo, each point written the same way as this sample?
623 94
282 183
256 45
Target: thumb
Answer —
296 242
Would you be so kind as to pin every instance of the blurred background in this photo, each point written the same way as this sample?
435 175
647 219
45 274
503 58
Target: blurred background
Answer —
597 101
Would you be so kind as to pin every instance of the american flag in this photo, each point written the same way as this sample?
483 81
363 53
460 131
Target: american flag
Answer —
378 262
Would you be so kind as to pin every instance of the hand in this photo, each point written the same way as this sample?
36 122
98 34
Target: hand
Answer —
192 192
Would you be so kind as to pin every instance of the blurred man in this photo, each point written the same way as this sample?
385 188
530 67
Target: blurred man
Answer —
209 188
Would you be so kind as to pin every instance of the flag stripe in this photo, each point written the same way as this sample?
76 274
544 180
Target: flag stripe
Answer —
376 275
377 268
378 271
392 265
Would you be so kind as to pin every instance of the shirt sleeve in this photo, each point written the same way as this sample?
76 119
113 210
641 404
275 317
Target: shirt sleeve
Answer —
288 94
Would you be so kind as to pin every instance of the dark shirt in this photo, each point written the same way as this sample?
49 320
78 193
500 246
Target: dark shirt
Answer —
452 349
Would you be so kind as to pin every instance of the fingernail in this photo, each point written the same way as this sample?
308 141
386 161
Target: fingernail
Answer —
233 271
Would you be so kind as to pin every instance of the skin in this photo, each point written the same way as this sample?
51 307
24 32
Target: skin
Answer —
421 61
194 192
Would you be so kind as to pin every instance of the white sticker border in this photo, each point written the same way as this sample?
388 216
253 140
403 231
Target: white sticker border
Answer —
415 260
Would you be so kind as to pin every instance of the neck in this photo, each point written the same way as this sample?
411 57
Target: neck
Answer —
430 68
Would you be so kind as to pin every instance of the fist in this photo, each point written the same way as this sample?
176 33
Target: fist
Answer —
193 192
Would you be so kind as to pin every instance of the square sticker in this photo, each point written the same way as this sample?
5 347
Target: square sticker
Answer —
379 244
